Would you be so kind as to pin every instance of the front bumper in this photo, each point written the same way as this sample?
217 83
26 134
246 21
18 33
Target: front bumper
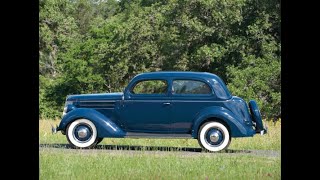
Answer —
264 131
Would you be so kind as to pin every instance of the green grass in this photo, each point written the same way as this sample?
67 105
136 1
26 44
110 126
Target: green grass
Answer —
101 165
60 163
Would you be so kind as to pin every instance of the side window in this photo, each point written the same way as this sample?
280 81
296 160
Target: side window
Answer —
190 87
150 87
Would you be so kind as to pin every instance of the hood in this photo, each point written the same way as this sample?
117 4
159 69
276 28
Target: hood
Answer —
92 97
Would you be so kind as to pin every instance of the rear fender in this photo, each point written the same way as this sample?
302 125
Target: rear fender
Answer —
237 129
105 126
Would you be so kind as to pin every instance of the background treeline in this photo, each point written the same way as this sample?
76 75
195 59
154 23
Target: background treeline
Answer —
95 46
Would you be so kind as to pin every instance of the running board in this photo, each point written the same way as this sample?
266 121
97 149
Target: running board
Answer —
156 135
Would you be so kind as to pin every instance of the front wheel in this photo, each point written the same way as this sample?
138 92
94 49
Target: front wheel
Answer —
82 133
214 136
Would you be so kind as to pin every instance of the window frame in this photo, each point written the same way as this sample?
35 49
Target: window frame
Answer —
130 91
211 94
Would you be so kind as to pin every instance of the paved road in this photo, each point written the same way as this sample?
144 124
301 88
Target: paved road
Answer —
183 151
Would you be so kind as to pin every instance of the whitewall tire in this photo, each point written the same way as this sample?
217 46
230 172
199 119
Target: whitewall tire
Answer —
82 133
214 136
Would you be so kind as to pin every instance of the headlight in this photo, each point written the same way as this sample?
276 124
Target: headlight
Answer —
66 107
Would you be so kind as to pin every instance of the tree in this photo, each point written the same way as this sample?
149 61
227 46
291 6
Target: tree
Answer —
98 46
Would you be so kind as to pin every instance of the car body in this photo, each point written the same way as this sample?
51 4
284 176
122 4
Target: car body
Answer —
162 105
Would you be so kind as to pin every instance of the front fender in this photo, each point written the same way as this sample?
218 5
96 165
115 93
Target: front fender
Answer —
105 126
237 126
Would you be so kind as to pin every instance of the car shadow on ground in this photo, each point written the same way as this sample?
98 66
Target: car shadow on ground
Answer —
142 148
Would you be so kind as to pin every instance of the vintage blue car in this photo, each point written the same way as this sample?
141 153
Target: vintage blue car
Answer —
162 105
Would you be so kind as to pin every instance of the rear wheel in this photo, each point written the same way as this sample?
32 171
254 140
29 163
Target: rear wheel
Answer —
214 136
82 133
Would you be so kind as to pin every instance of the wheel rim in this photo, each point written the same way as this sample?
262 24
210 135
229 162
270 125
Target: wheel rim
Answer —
82 133
214 137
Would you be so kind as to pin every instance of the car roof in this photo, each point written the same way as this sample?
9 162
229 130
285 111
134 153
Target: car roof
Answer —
182 74
176 74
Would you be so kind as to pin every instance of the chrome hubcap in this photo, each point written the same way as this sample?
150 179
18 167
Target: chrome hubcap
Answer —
214 137
82 132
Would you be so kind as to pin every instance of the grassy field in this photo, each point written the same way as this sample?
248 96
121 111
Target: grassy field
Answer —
62 163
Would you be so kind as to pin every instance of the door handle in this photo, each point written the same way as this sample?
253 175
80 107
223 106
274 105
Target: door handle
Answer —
166 103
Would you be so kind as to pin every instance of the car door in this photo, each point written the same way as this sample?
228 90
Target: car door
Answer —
147 107
189 96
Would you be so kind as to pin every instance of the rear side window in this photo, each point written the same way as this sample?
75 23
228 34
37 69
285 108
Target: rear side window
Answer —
190 87
150 87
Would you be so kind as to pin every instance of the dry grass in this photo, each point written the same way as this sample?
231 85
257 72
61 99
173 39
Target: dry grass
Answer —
270 141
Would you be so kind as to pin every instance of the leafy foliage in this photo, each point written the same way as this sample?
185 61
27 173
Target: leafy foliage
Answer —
98 46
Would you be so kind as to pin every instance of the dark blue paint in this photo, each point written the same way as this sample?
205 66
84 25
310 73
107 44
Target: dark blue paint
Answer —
98 97
256 116
115 114
237 126
146 115
105 126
